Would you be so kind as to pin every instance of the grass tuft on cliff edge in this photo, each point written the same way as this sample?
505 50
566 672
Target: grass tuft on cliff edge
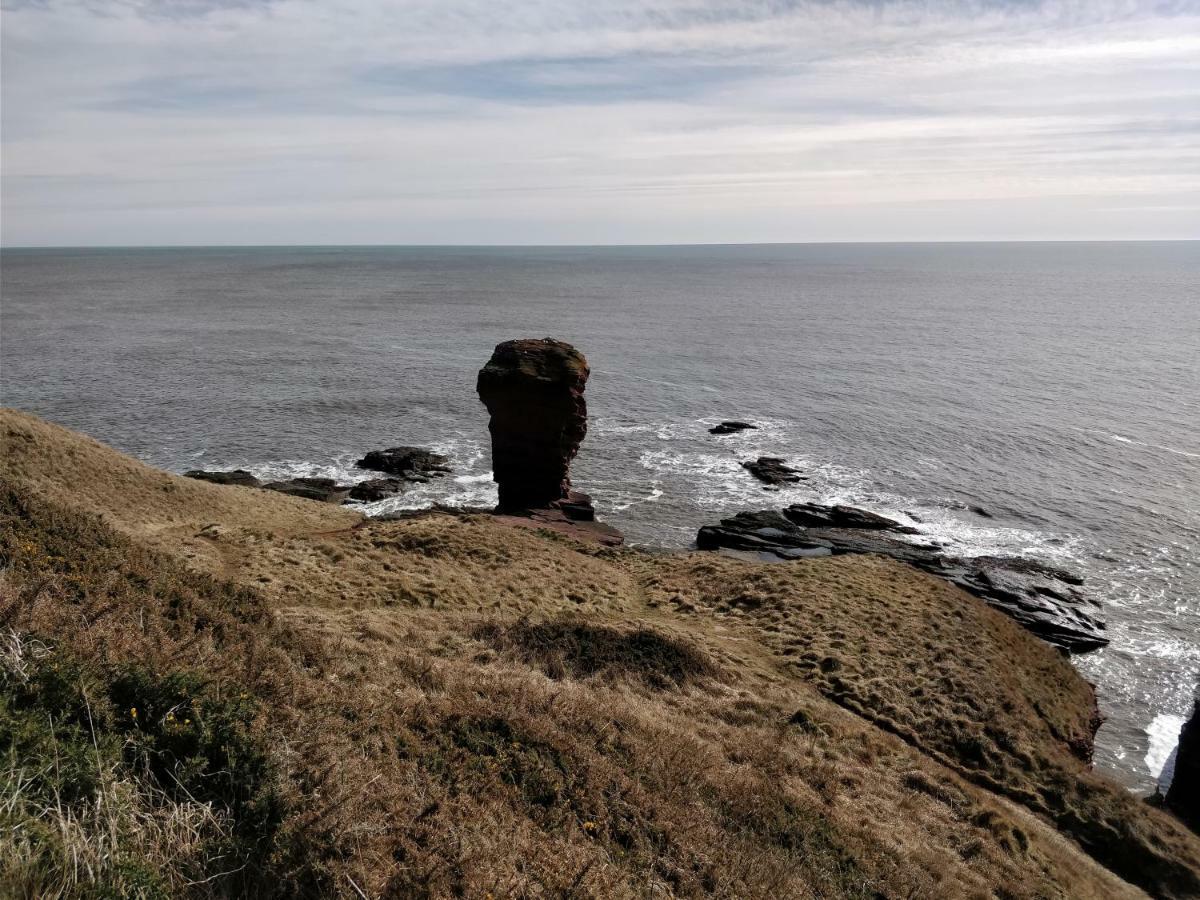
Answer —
444 706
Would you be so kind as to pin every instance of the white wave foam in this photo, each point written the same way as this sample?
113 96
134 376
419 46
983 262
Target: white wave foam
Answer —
970 539
717 481
340 469
1163 732
474 479
619 501
467 486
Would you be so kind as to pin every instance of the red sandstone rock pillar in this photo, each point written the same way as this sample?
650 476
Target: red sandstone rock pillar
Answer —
533 390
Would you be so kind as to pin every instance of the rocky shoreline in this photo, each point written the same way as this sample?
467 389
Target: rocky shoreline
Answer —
533 390
534 394
1045 600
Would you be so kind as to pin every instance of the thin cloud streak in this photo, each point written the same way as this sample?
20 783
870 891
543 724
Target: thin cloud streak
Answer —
298 121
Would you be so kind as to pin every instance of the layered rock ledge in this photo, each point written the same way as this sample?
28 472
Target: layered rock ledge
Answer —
1043 599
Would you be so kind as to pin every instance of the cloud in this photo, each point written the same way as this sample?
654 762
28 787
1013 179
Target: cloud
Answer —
346 121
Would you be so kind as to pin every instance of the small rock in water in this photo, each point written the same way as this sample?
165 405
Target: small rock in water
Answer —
772 470
980 511
238 477
376 489
731 427
406 462
576 506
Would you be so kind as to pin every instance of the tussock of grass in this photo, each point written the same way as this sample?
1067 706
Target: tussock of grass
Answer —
574 648
620 725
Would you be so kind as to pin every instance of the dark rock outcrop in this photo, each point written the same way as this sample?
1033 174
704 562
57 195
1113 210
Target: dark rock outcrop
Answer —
240 477
409 463
772 470
1183 796
325 490
1043 599
533 391
731 427
814 515
374 489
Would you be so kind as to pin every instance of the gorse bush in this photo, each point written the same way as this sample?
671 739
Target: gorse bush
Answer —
135 762
46 716
77 739
196 742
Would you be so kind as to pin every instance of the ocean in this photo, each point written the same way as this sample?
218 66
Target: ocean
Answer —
1057 386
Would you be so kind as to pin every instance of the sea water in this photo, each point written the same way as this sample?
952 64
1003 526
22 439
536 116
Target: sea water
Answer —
1056 386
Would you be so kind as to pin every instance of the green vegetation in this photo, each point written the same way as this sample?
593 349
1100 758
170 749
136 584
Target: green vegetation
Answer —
137 756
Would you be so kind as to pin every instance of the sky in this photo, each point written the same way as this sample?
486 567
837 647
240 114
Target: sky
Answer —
146 122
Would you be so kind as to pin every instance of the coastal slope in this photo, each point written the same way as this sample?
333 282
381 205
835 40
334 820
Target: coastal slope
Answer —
269 696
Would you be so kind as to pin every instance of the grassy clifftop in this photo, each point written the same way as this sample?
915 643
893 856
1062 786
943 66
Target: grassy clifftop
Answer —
217 691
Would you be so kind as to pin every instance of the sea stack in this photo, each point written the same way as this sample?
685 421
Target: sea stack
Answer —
533 390
1183 796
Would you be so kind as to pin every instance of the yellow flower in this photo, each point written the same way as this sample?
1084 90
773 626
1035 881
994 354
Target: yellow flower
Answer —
133 711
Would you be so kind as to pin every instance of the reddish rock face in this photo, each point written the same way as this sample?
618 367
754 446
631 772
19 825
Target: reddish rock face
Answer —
533 390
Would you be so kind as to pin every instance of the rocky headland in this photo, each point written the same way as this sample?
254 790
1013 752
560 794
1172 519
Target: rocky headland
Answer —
458 703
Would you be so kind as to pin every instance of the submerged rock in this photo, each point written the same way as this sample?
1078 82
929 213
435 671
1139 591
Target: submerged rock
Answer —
731 427
1183 796
410 463
533 391
772 470
239 477
325 490
1043 599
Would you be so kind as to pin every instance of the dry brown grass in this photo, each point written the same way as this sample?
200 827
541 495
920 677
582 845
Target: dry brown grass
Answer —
459 708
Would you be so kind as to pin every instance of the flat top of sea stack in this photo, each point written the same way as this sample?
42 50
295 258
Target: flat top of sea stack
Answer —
541 359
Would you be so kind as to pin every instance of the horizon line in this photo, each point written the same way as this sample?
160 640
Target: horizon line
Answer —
533 246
